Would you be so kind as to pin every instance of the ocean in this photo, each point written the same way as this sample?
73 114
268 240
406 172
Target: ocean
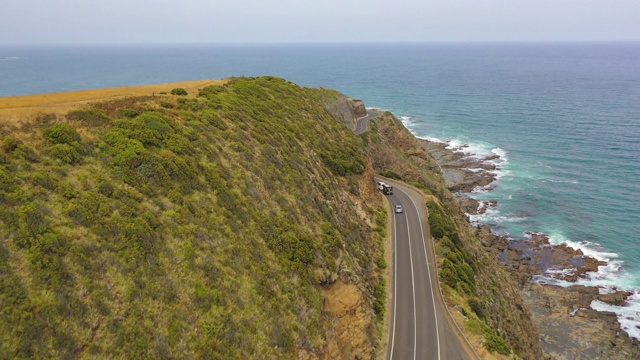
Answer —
564 118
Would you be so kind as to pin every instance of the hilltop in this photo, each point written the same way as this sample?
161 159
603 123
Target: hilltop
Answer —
206 225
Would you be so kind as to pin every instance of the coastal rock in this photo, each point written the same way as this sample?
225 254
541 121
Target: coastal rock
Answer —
617 298
569 328
462 172
559 262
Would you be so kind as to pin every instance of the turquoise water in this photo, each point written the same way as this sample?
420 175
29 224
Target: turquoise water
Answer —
565 119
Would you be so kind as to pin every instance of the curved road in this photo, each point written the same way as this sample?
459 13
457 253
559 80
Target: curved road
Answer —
420 326
361 123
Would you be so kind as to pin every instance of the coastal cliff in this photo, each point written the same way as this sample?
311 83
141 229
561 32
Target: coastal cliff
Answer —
238 221
482 295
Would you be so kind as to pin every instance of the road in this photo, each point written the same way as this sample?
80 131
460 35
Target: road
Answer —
361 124
420 325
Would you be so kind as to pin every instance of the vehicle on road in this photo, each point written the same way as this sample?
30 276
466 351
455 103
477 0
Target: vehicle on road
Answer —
385 188
399 209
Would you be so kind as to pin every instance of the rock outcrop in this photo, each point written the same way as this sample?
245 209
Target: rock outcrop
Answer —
461 172
346 110
569 328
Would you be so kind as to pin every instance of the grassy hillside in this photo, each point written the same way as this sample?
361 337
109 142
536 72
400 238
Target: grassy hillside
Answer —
484 297
184 227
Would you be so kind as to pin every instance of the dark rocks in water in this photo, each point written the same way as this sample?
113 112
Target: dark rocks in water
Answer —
537 256
462 173
569 328
617 298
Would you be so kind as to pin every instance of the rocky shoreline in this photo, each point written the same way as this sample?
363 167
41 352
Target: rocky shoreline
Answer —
569 328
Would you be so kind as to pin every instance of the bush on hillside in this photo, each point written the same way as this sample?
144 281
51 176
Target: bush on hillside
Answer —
61 133
10 143
91 117
179 91
65 153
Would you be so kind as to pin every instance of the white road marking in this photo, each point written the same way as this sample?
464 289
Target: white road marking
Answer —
433 299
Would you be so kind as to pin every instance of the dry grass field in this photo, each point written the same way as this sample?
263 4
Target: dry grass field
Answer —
15 108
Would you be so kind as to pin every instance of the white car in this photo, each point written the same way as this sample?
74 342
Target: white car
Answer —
398 209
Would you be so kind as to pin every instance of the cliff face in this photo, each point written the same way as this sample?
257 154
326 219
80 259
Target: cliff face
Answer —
482 295
346 110
222 225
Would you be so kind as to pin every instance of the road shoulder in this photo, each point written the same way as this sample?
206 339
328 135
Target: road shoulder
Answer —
420 198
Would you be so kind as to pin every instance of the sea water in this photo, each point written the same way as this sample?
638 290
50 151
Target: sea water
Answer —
563 117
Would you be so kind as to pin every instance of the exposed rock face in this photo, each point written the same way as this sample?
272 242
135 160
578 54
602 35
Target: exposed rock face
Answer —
353 318
462 173
569 328
359 109
346 110
537 256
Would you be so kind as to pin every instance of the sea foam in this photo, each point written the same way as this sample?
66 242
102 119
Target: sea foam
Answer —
609 278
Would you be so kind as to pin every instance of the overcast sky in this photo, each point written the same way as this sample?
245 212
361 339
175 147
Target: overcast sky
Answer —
287 21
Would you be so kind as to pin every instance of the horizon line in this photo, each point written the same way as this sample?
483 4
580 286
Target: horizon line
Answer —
283 43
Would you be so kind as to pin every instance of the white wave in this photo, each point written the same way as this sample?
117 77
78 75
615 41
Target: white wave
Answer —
502 153
588 248
562 272
434 140
563 181
609 278
628 315
492 216
545 279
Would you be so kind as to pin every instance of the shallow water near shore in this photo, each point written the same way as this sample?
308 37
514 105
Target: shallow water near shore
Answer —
564 118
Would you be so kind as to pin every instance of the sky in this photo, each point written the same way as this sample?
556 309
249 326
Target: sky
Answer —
315 21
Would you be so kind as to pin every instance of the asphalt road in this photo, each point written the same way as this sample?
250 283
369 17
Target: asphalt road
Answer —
420 326
361 124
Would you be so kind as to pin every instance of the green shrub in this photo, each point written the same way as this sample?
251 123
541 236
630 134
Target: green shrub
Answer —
477 307
211 91
10 143
343 164
129 113
391 175
32 218
179 91
7 181
92 117
65 153
23 151
61 133
45 180
380 298
495 343
106 188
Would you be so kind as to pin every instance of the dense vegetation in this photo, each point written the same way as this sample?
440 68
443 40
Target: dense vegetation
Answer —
474 283
191 227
